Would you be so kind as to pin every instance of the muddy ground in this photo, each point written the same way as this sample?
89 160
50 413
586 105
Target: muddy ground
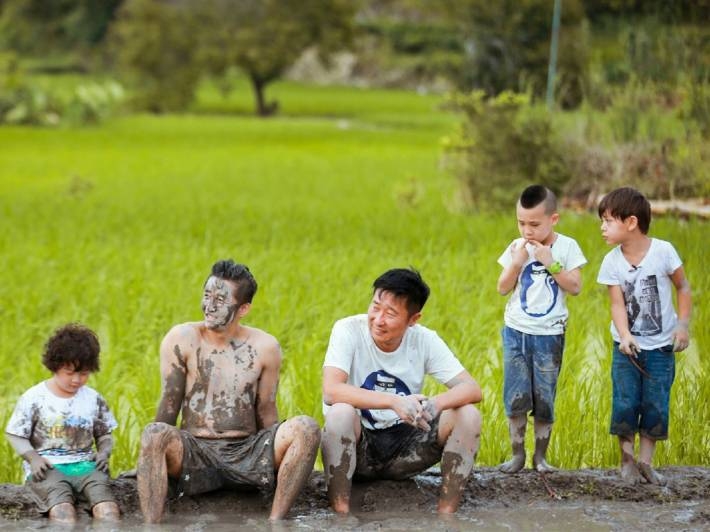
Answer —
577 500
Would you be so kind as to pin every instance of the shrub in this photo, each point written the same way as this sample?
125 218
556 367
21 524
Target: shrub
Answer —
502 145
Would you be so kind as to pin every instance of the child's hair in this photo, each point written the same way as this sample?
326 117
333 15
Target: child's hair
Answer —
239 274
72 345
406 283
534 195
624 202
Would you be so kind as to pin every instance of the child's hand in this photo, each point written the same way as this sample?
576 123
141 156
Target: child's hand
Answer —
681 337
101 459
39 466
542 253
629 346
519 253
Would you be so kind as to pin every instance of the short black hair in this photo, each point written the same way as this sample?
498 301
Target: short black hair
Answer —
534 195
406 283
624 202
72 345
238 273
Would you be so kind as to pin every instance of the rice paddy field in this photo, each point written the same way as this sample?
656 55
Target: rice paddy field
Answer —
117 226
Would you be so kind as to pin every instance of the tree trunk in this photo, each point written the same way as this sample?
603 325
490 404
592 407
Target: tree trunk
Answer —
262 107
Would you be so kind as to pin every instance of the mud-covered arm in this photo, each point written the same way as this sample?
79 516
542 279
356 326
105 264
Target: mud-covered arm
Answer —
23 447
337 390
266 411
104 446
681 334
173 374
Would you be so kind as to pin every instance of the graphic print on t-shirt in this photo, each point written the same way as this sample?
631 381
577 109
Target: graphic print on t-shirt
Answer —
381 381
538 290
643 307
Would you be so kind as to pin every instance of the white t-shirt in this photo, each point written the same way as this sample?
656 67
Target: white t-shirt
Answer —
422 352
537 304
648 292
61 429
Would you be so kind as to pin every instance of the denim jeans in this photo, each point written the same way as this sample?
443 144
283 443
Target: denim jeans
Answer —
531 365
641 403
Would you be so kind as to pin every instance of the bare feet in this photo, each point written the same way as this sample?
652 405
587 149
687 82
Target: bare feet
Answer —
630 473
542 466
651 475
513 465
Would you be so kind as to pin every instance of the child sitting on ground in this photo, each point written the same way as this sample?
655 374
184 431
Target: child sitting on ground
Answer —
640 273
54 427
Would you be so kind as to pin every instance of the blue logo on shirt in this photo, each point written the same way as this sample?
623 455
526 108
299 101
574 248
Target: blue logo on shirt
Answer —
538 290
381 381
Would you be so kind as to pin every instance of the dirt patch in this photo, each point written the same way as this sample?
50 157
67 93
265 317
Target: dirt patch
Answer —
492 500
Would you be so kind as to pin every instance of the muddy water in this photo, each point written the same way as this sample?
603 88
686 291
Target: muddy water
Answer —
564 516
587 500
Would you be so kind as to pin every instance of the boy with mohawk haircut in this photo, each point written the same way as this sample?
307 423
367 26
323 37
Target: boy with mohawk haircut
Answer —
539 268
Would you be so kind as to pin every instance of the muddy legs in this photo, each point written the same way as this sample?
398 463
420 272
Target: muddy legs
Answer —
295 452
635 472
516 429
107 511
160 456
543 430
340 434
461 429
63 513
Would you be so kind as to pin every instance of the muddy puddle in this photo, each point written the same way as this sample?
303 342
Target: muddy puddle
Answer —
579 501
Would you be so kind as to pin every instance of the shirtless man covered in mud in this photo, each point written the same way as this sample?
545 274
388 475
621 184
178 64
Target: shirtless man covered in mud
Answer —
223 376
377 423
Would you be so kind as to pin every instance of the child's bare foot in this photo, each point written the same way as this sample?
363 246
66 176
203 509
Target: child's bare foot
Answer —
542 466
630 473
513 465
651 475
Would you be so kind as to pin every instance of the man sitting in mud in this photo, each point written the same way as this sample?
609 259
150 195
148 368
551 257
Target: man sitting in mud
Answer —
223 375
377 424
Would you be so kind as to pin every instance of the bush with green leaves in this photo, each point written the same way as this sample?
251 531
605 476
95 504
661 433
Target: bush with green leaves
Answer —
25 102
502 145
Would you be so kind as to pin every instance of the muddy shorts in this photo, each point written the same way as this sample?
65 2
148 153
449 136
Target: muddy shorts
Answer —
531 365
83 491
230 463
640 403
397 452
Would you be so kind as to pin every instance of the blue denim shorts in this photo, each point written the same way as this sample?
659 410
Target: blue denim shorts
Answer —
531 365
640 403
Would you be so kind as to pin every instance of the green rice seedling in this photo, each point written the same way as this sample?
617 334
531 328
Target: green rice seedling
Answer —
118 226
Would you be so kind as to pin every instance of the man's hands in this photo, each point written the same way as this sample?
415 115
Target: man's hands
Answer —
38 465
416 410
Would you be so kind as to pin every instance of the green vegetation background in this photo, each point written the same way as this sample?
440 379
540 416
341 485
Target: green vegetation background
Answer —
117 227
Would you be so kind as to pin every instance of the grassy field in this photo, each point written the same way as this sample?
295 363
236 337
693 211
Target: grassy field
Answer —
117 227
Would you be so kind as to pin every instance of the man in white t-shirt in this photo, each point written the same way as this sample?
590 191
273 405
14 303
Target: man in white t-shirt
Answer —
377 423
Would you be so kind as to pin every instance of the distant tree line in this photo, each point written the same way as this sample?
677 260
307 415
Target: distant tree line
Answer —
164 47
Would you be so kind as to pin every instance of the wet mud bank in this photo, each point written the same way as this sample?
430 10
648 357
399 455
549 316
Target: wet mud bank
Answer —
597 493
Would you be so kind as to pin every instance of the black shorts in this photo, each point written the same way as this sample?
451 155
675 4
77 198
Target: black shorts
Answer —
397 452
234 463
